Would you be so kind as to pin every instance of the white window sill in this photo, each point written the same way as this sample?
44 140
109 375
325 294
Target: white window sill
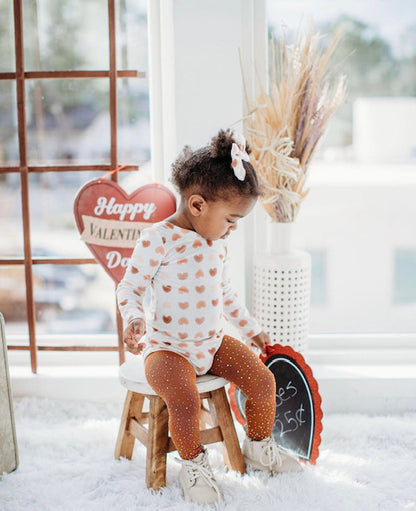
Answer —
356 374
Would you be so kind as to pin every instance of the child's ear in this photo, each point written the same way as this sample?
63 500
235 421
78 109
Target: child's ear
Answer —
196 204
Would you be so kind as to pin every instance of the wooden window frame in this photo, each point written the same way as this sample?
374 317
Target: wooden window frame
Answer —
20 76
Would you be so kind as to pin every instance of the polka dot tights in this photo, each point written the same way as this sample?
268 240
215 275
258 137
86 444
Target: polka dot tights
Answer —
173 378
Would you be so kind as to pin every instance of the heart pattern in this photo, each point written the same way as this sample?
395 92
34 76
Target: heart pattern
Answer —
110 220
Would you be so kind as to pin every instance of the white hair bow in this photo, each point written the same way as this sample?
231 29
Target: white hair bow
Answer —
238 154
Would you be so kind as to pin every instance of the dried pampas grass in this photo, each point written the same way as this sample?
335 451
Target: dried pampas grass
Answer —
285 124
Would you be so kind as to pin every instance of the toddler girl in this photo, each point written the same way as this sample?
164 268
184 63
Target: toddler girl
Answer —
184 261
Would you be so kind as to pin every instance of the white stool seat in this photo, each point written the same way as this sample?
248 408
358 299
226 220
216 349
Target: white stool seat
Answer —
132 377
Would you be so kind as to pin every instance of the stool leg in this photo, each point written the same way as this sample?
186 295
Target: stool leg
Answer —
157 443
231 447
125 441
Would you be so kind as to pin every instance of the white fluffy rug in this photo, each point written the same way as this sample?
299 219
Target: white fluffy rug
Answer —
66 463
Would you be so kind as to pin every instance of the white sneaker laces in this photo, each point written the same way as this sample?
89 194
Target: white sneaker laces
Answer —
197 469
271 454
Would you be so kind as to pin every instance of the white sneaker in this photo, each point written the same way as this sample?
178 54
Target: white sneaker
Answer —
198 481
267 455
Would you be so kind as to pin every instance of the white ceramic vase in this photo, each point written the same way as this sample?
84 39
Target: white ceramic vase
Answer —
282 288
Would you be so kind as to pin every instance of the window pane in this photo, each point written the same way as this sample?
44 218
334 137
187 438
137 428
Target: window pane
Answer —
65 35
10 216
362 229
405 276
7 61
318 277
73 300
68 121
133 121
8 124
360 212
377 57
13 299
131 31
53 227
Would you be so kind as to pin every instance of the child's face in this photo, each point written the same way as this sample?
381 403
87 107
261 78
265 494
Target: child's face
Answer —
220 217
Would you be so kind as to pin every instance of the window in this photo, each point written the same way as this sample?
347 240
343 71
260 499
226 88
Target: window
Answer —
73 105
405 277
318 277
359 216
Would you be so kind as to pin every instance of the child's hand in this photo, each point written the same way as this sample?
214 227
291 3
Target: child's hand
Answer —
132 335
260 341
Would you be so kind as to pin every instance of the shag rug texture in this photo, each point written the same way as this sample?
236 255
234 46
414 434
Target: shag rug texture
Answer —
66 463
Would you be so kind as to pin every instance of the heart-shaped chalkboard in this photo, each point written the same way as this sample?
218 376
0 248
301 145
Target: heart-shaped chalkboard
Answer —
298 421
110 220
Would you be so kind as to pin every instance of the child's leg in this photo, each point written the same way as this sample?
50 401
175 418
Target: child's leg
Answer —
238 364
173 378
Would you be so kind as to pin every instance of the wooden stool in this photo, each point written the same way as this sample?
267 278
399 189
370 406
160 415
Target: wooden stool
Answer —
156 436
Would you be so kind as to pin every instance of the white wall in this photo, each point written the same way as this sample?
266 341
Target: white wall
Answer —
208 86
201 81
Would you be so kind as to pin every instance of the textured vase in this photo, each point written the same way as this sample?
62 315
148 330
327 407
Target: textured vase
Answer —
282 288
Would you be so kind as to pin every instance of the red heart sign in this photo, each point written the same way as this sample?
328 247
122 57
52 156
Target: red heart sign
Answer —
110 220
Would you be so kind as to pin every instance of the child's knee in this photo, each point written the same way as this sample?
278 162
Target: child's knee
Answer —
271 384
186 404
265 388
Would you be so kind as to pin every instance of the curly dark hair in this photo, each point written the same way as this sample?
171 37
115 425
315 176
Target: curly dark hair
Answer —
208 172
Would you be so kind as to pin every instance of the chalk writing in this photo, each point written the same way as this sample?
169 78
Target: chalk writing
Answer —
284 394
299 413
290 421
